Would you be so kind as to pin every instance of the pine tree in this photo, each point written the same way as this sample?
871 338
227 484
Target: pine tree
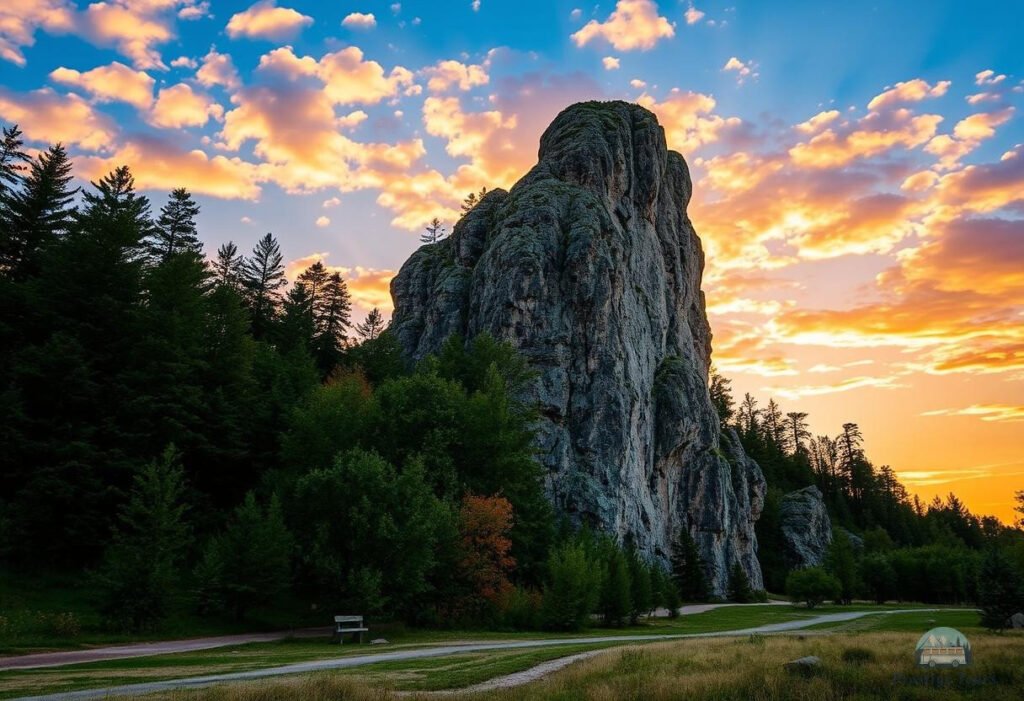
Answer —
842 564
1000 592
688 568
472 200
739 590
315 278
435 231
140 573
749 416
772 426
227 269
39 213
372 327
175 229
12 159
262 280
616 597
250 562
297 326
796 428
720 390
641 595
116 214
333 313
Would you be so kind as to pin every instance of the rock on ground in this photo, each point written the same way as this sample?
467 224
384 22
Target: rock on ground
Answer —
590 266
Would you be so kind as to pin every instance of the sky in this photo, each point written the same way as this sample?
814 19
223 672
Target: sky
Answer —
858 168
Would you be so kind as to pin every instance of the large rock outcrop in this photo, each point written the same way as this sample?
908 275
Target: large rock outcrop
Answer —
590 266
806 527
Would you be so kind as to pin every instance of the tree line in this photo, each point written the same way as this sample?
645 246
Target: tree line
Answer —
888 544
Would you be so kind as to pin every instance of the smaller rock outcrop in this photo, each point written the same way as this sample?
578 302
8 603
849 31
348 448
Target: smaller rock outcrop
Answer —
806 527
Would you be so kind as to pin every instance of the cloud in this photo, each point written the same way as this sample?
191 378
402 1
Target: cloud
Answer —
693 15
347 77
986 412
184 62
180 106
634 24
322 222
359 20
195 11
48 117
331 202
910 91
133 27
988 77
870 136
446 74
610 63
265 20
160 164
818 121
845 385
20 20
688 119
742 69
218 69
113 83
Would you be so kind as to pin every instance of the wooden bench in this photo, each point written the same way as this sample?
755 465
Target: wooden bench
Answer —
349 624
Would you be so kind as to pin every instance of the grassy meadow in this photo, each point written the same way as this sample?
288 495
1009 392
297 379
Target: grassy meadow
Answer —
858 666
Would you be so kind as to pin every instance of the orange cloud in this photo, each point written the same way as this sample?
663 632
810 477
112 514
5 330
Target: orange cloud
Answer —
19 21
116 82
131 28
742 69
634 24
218 69
870 136
160 165
445 74
986 412
347 78
180 106
910 91
359 20
818 121
688 119
47 117
264 20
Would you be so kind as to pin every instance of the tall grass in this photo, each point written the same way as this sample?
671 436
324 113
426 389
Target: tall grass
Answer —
853 668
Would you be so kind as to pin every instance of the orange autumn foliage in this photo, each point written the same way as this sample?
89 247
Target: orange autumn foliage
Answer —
486 563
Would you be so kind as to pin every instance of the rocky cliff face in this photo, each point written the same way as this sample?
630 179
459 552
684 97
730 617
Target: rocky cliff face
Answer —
591 268
806 527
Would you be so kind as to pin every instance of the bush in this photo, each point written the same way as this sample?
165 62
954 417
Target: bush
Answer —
250 563
521 609
858 655
571 591
812 586
65 625
739 585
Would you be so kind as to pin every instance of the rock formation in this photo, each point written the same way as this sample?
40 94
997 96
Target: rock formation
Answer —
806 527
590 266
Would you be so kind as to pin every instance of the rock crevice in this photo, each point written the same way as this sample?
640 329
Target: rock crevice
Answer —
590 266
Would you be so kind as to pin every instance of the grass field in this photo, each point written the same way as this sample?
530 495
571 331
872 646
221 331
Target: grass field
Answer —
455 671
857 666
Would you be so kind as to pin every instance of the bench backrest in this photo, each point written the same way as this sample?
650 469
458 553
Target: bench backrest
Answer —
348 619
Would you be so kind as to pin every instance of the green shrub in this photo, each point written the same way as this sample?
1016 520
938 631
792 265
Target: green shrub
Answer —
858 655
812 586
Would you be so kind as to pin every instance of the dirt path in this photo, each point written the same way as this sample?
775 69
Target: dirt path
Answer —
440 651
160 647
